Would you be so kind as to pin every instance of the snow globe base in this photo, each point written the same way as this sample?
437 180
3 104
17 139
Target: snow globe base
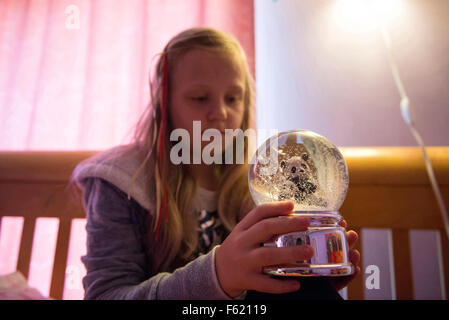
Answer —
326 237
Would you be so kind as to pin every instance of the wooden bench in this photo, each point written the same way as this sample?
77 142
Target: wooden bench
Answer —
389 189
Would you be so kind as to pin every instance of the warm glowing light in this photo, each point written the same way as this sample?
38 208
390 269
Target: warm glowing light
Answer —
365 15
359 152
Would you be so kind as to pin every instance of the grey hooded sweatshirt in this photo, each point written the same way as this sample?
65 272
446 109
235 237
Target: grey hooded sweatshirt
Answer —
118 260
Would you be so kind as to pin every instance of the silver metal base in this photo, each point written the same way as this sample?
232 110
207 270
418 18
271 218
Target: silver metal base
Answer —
329 242
333 270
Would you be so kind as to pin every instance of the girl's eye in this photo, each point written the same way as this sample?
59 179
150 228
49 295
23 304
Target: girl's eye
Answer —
233 99
199 98
303 166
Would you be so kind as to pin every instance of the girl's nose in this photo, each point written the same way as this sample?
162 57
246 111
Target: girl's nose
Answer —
218 111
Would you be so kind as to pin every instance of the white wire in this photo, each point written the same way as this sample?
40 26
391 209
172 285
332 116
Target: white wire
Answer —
407 114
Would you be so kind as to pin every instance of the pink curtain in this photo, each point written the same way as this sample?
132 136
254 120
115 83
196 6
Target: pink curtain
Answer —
74 76
74 73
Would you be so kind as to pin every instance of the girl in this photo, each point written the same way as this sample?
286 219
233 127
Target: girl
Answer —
159 230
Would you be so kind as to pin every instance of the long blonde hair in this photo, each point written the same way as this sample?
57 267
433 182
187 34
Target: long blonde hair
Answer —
178 237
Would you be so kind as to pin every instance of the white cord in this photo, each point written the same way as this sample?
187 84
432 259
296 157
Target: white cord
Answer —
406 112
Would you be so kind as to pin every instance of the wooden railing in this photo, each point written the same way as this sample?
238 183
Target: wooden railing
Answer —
389 189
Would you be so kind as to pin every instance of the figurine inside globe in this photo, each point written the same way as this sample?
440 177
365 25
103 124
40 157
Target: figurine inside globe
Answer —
301 166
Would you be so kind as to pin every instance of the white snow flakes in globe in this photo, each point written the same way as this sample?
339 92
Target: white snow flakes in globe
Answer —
301 166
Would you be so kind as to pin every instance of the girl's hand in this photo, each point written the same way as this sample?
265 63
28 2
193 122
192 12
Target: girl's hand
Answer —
240 258
354 257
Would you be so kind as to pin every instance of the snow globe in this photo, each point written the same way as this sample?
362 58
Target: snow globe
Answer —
306 168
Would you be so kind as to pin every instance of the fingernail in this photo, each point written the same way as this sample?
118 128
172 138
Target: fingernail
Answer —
289 205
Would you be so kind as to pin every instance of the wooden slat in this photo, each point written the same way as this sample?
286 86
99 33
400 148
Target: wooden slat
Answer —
445 254
26 245
60 261
404 207
402 264
395 165
47 166
398 165
39 200
356 287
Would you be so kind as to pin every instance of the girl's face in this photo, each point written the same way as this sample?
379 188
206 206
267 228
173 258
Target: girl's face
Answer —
207 87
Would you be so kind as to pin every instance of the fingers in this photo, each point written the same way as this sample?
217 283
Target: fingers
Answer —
352 238
341 282
354 257
265 230
266 284
263 211
268 256
351 235
357 271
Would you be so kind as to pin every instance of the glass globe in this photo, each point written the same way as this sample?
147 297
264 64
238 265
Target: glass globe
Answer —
301 166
